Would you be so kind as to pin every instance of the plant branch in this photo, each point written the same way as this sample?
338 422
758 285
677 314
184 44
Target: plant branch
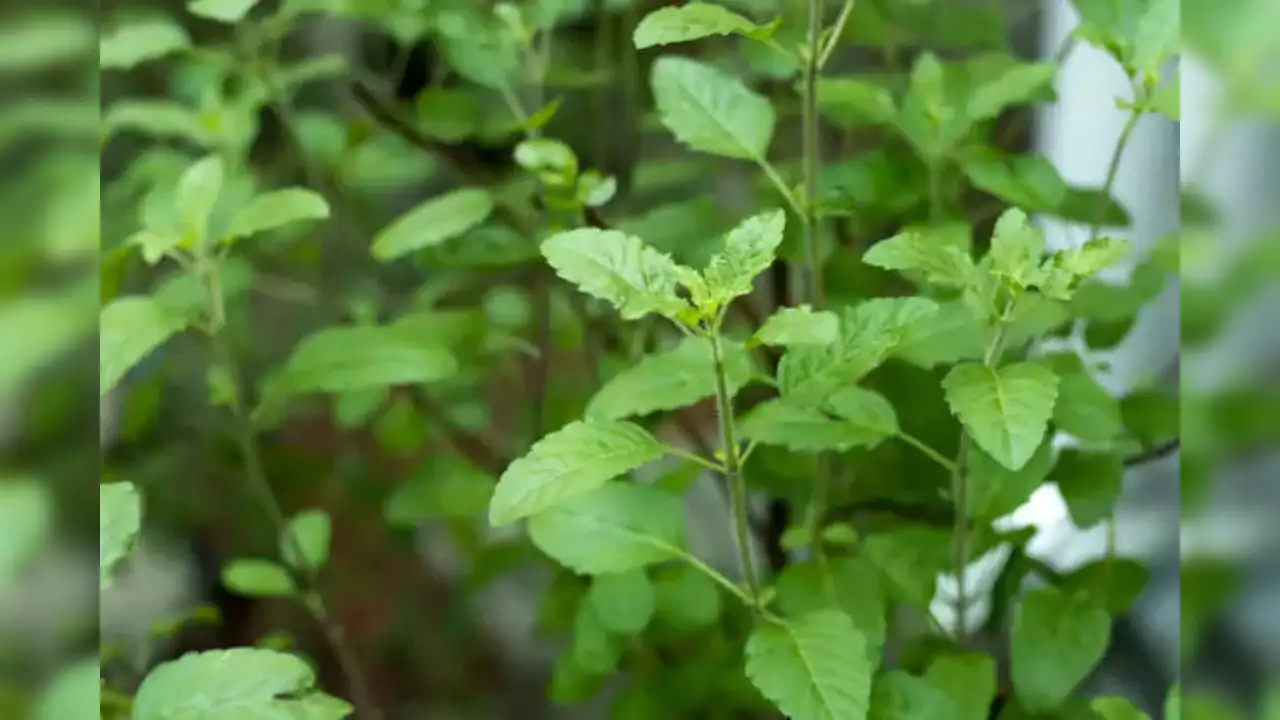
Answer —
928 451
733 471
1154 453
695 458
836 31
812 158
1113 169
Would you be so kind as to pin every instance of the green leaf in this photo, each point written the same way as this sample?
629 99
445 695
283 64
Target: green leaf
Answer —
1112 707
898 695
311 529
673 379
26 522
1116 583
433 222
1167 100
952 334
341 359
711 111
865 408
969 679
1016 248
849 102
195 195
799 326
1026 181
1057 639
255 577
447 488
226 11
235 683
624 602
849 584
1173 704
618 268
1066 268
910 557
687 600
615 528
1019 84
996 491
130 43
130 328
594 648
937 259
119 520
808 375
1085 409
1090 484
866 421
749 249
812 667
1157 37
1006 411
74 693
568 463
695 20
552 160
279 207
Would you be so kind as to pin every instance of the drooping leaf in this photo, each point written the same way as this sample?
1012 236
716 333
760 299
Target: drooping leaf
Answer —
624 602
272 209
749 249
568 463
119 520
239 683
813 667
996 491
849 584
669 380
940 262
133 41
1090 484
130 328
910 557
711 111
340 359
968 679
615 528
1057 639
311 530
1005 410
227 11
692 21
256 577
618 268
432 223
799 326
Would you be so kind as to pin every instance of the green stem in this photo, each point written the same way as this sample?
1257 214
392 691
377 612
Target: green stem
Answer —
836 31
812 159
935 191
928 452
1113 169
695 459
772 173
733 471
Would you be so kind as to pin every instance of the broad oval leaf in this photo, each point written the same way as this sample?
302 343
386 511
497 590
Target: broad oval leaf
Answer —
235 683
130 328
669 380
279 207
813 667
695 20
74 693
711 111
568 463
432 223
119 520
1005 410
339 359
618 268
134 41
799 326
1027 181
749 249
1057 639
615 528
255 577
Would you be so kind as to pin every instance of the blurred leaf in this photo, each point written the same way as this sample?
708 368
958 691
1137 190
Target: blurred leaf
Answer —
1167 100
226 11
594 648
136 40
862 419
953 334
623 601
1019 84
278 207
1115 583
26 521
73 693
693 21
338 359
254 577
686 600
711 111
1117 708
119 520
851 101
311 530
1084 408
996 491
131 327
1057 640
910 557
443 489
669 380
1026 181
898 695
42 39
432 223
799 326
615 528
969 679
851 585
1090 484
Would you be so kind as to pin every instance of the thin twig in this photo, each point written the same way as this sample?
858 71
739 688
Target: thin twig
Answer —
1154 453
733 471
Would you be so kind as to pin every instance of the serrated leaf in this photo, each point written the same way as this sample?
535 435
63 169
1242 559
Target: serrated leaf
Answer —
1006 411
1090 484
618 268
130 328
996 491
624 602
849 102
311 530
569 463
341 359
940 262
1016 248
910 557
226 11
777 422
968 679
272 209
673 379
669 25
1057 639
119 520
255 577
898 695
1066 268
809 375
799 326
195 195
711 111
617 527
236 683
849 584
1017 85
433 222
812 667
749 249
134 41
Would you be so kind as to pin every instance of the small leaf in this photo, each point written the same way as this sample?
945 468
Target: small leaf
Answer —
996 491
340 359
910 557
279 207
711 111
226 11
258 578
692 21
615 528
669 380
552 160
1016 248
968 679
568 463
1090 484
813 667
799 326
618 268
195 195
749 249
130 328
940 262
849 584
1057 639
119 520
624 602
130 43
1019 84
433 222
1006 410
311 530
